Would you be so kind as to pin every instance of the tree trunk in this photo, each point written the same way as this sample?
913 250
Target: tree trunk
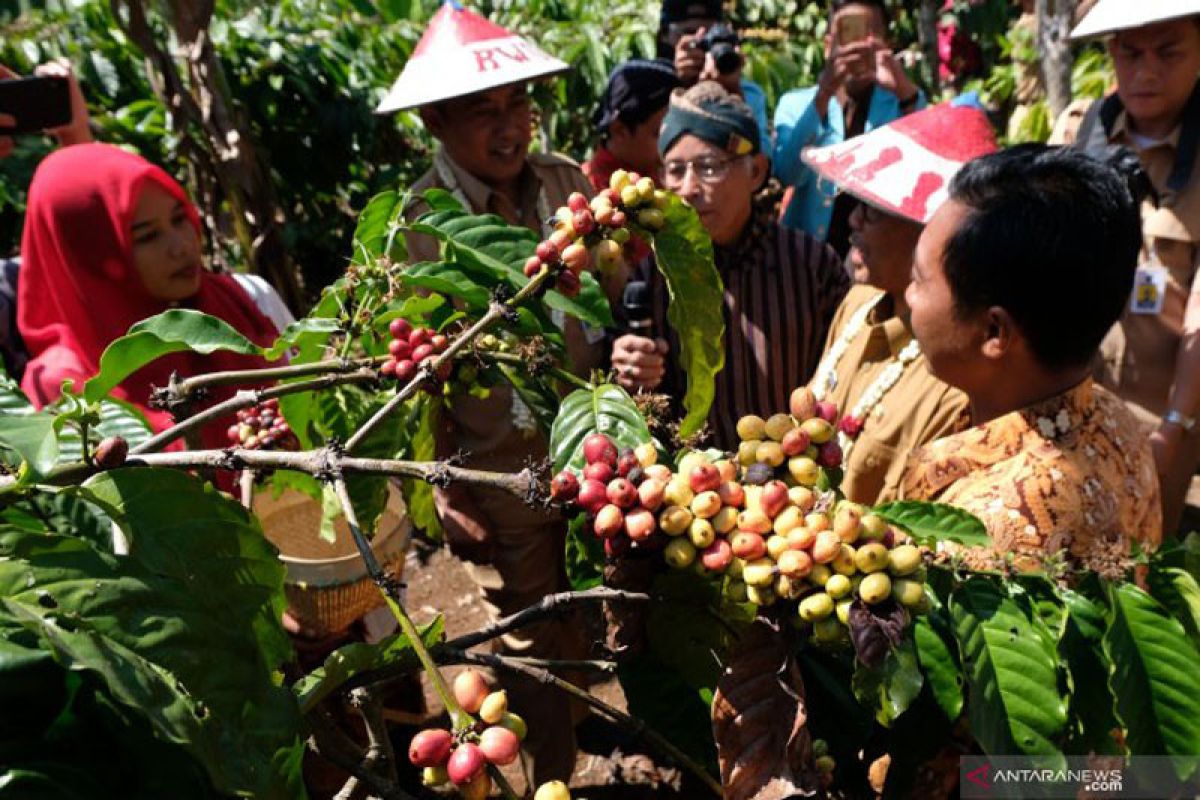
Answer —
927 17
1054 19
229 155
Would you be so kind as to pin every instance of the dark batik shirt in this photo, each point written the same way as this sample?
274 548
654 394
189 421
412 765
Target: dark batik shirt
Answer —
782 288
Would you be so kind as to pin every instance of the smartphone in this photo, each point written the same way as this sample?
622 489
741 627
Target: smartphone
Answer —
852 27
37 103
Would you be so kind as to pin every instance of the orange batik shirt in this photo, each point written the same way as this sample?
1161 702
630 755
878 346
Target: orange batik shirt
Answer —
1072 472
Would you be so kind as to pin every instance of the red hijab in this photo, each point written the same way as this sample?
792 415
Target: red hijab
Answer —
78 290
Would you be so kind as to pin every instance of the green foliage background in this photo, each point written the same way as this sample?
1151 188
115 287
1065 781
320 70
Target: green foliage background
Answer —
308 73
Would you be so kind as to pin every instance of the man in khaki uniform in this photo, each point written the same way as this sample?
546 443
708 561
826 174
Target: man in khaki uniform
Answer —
469 78
872 367
1151 358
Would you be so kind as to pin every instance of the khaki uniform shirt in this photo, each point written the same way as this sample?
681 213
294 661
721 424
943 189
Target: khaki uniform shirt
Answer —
484 426
916 410
1139 353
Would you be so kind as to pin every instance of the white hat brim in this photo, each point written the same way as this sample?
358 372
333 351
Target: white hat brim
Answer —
475 67
1110 16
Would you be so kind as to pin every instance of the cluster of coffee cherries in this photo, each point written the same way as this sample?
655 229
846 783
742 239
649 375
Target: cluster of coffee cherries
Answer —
461 757
621 491
409 348
767 528
262 427
795 444
592 233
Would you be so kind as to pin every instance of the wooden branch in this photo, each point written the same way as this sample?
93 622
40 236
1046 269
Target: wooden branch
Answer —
548 606
392 590
183 389
512 359
329 742
317 463
635 726
496 311
380 757
449 657
247 399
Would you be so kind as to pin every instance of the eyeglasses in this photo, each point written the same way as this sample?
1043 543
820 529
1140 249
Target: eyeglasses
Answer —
708 170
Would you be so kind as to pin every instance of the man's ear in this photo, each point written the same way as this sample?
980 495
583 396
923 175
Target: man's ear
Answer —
828 41
760 167
431 116
618 131
1000 334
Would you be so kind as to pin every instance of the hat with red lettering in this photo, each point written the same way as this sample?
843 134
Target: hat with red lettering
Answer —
462 53
1110 16
905 167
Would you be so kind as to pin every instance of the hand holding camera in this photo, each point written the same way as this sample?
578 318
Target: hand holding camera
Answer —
710 54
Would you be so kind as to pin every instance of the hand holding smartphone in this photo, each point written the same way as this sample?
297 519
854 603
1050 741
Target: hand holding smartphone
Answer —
36 103
852 26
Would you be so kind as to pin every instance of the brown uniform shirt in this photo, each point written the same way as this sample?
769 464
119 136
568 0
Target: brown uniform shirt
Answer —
484 426
916 410
1139 353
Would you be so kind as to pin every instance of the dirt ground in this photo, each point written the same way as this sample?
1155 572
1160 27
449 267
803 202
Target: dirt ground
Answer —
609 764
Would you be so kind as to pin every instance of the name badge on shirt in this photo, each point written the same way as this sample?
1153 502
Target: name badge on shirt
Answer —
1149 289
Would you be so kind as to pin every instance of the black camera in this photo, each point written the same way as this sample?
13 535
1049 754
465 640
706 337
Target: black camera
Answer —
721 41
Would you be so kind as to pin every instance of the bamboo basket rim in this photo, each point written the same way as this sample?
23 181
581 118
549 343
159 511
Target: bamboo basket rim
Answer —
389 543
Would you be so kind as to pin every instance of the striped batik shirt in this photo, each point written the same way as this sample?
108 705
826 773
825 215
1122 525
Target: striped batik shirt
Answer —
782 288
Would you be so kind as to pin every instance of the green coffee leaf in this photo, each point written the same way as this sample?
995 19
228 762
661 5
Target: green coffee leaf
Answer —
606 409
890 688
937 653
1153 675
1013 701
354 659
930 523
684 256
169 332
1091 699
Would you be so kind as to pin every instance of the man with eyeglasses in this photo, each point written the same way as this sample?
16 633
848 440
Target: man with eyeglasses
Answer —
469 78
781 286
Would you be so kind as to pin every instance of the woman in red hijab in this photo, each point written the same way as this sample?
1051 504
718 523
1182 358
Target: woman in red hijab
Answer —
110 239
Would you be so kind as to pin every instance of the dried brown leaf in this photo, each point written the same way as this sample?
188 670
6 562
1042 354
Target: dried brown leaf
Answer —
875 630
763 744
625 623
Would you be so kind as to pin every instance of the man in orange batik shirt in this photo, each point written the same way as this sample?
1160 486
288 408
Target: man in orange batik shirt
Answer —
1016 280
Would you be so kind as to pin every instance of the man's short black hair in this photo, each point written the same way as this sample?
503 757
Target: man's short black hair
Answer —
1052 236
837 5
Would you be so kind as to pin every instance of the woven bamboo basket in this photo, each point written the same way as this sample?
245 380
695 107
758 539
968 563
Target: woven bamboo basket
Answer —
327 584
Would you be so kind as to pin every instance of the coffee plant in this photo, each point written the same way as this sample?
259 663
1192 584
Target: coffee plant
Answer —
140 607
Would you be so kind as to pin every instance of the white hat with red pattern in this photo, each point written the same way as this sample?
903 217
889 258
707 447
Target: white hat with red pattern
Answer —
462 53
905 167
1110 16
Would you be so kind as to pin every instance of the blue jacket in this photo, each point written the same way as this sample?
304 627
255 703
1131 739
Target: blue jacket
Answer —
797 126
756 98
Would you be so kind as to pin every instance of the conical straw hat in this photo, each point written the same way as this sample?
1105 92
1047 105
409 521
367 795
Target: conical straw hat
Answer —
1110 16
463 53
905 167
